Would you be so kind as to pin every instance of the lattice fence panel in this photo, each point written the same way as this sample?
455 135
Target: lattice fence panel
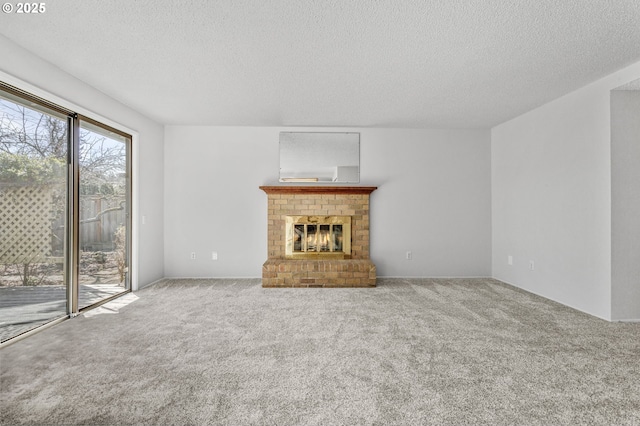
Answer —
26 215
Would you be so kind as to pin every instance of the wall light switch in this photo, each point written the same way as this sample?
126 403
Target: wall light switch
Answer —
509 260
144 219
214 255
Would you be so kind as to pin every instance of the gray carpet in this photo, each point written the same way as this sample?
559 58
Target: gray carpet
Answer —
463 351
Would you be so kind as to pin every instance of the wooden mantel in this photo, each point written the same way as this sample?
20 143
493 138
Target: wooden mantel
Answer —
291 189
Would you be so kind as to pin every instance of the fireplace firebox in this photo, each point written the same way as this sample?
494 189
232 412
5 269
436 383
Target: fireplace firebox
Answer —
310 237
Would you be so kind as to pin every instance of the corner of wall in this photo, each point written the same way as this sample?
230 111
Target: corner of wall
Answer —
31 73
551 198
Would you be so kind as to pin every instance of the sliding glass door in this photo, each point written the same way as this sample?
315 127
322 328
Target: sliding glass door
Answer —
64 212
104 211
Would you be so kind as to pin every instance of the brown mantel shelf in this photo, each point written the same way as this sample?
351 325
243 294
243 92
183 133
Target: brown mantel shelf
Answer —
290 189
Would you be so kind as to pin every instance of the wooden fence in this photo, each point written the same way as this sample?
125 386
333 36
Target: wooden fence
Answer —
100 217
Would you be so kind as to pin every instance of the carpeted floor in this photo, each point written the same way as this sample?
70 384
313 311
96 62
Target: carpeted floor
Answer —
427 351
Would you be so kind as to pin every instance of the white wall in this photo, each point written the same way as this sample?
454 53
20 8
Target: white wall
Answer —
625 205
22 69
551 197
433 199
212 200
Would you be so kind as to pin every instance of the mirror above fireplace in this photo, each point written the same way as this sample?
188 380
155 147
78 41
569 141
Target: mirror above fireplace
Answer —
320 157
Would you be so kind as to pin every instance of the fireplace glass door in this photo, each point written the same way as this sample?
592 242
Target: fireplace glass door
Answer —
317 238
312 236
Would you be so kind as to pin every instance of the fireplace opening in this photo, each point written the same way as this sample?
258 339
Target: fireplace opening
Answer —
322 238
318 236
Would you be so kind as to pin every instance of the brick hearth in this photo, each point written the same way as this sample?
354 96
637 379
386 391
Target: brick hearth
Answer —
283 201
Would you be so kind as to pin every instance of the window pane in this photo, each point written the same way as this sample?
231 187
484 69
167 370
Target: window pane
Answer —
33 191
104 207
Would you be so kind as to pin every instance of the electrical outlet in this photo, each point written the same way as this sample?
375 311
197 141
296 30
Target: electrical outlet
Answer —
193 255
532 265
409 255
214 255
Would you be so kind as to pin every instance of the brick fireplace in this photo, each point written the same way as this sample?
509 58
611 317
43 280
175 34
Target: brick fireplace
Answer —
307 245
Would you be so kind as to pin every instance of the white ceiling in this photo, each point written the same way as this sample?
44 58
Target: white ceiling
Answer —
632 85
382 63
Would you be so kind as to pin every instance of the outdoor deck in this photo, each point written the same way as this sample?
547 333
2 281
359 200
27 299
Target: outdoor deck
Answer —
23 307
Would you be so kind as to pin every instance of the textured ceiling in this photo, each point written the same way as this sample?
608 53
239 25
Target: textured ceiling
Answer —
382 63
632 85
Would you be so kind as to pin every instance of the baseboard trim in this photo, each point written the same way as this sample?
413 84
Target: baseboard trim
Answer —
552 300
212 278
436 277
151 283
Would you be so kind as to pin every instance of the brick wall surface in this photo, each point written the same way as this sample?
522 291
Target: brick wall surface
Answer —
318 273
282 205
278 271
